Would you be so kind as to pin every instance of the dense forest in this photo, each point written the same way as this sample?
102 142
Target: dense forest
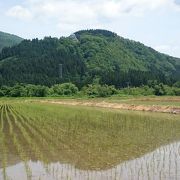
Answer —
86 57
8 40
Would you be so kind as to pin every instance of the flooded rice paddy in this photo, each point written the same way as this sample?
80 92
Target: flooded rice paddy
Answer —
52 142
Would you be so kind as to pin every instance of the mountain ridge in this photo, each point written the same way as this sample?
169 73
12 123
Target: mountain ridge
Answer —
95 55
8 40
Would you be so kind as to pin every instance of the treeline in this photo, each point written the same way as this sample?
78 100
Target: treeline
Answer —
91 90
153 89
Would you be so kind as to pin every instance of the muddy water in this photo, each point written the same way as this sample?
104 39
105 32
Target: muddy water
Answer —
101 146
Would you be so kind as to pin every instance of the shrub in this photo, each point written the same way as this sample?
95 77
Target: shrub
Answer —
135 91
17 91
36 91
5 90
97 90
66 89
176 91
159 90
169 90
1 93
177 84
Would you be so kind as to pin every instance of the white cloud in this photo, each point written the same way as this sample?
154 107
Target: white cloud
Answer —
80 10
67 14
148 21
19 12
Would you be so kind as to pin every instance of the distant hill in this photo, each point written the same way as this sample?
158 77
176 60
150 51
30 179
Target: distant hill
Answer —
86 56
8 40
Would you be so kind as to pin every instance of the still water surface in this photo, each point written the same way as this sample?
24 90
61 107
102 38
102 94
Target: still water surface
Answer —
163 163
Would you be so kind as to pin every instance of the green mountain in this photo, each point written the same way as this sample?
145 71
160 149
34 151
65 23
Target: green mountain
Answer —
86 56
8 40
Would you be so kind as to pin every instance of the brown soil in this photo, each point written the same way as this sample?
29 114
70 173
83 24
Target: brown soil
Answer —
151 108
171 99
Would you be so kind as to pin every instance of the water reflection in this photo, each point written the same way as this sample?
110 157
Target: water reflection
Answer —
163 163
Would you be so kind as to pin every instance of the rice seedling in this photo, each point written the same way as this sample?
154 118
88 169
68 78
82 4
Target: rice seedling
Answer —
17 144
3 146
39 137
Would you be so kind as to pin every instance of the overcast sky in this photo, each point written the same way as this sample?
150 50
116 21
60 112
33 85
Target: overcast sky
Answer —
155 23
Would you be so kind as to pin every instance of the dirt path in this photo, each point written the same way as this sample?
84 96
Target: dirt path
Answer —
151 108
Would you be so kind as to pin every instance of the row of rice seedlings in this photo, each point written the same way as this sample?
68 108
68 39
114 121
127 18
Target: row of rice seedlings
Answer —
38 136
21 151
41 153
2 121
54 124
58 139
3 144
34 147
57 152
81 133
72 144
46 132
42 124
57 133
36 123
73 130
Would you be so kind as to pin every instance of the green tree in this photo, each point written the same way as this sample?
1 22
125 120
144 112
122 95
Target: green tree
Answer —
97 90
159 90
65 89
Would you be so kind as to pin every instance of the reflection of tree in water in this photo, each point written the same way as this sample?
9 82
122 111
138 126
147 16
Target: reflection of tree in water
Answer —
74 142
163 163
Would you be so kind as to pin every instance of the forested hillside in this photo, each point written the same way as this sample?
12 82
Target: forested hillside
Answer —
8 40
86 57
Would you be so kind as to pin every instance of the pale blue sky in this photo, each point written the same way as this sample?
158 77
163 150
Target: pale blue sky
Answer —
155 23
